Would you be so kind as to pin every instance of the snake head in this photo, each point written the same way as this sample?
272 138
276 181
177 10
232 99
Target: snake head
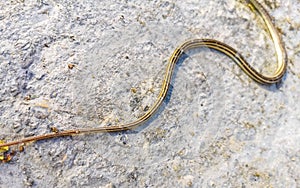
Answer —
4 155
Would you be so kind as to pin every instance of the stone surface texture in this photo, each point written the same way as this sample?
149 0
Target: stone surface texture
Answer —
218 128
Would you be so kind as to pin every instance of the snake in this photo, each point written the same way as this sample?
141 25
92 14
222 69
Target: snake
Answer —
229 51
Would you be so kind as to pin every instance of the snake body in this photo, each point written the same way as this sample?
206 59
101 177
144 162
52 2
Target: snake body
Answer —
190 44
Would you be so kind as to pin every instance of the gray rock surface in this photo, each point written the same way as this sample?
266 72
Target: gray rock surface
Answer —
217 129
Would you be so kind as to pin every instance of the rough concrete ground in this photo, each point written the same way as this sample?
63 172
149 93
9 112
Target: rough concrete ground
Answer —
217 129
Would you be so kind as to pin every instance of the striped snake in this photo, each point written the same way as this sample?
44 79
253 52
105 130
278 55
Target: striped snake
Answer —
190 44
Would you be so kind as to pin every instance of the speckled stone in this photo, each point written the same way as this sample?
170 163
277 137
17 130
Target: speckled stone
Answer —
75 64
